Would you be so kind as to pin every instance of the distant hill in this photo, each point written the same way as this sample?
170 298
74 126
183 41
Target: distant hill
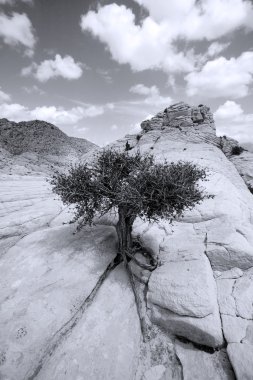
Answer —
38 146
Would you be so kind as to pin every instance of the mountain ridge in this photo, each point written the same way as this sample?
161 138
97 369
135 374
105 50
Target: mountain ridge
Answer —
38 146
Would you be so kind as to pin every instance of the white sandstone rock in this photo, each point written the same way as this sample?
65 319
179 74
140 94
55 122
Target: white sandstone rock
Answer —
205 331
105 343
240 356
199 365
46 277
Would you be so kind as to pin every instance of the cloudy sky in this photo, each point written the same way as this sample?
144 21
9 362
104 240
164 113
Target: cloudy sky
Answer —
97 68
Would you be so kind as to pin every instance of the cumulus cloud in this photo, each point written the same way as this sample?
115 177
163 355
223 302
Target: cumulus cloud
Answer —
64 67
146 46
17 29
231 120
51 114
222 77
152 43
197 20
4 97
152 95
228 110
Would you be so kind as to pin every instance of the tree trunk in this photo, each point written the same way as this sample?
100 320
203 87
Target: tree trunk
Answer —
124 231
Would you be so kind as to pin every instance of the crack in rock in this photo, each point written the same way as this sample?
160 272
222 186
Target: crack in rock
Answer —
66 329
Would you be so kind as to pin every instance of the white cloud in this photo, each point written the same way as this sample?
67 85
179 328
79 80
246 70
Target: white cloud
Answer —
216 47
114 127
33 90
141 89
17 30
64 67
222 77
148 46
51 114
4 97
232 121
135 128
93 111
13 111
11 2
197 20
228 110
153 96
151 44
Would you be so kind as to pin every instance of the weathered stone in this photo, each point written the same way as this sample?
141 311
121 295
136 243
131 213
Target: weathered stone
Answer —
155 373
105 344
244 165
205 331
181 294
184 287
199 365
235 297
232 274
234 328
240 356
197 116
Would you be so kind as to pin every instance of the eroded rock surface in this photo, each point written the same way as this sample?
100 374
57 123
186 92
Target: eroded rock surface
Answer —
210 241
197 302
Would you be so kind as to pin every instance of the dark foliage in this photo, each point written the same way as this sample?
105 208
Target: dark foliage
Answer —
128 146
250 189
236 150
134 183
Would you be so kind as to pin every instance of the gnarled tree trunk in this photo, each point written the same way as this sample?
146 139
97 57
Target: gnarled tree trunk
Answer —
124 231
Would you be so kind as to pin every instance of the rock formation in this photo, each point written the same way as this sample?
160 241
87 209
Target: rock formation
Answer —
197 302
38 147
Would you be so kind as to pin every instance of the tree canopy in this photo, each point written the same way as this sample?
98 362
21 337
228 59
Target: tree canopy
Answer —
134 184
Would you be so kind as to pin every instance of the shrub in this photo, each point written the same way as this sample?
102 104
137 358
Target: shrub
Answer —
236 150
133 184
128 146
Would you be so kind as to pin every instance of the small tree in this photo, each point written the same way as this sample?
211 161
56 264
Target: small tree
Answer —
237 150
135 186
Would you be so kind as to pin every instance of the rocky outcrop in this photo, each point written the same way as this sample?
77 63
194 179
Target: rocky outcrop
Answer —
197 302
241 157
217 236
244 165
38 147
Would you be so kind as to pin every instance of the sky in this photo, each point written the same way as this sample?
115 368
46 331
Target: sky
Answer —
96 69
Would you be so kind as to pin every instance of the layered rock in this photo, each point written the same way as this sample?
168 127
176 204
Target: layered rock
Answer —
198 301
47 273
216 236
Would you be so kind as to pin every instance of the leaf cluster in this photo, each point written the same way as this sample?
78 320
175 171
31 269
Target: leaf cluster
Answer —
130 182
